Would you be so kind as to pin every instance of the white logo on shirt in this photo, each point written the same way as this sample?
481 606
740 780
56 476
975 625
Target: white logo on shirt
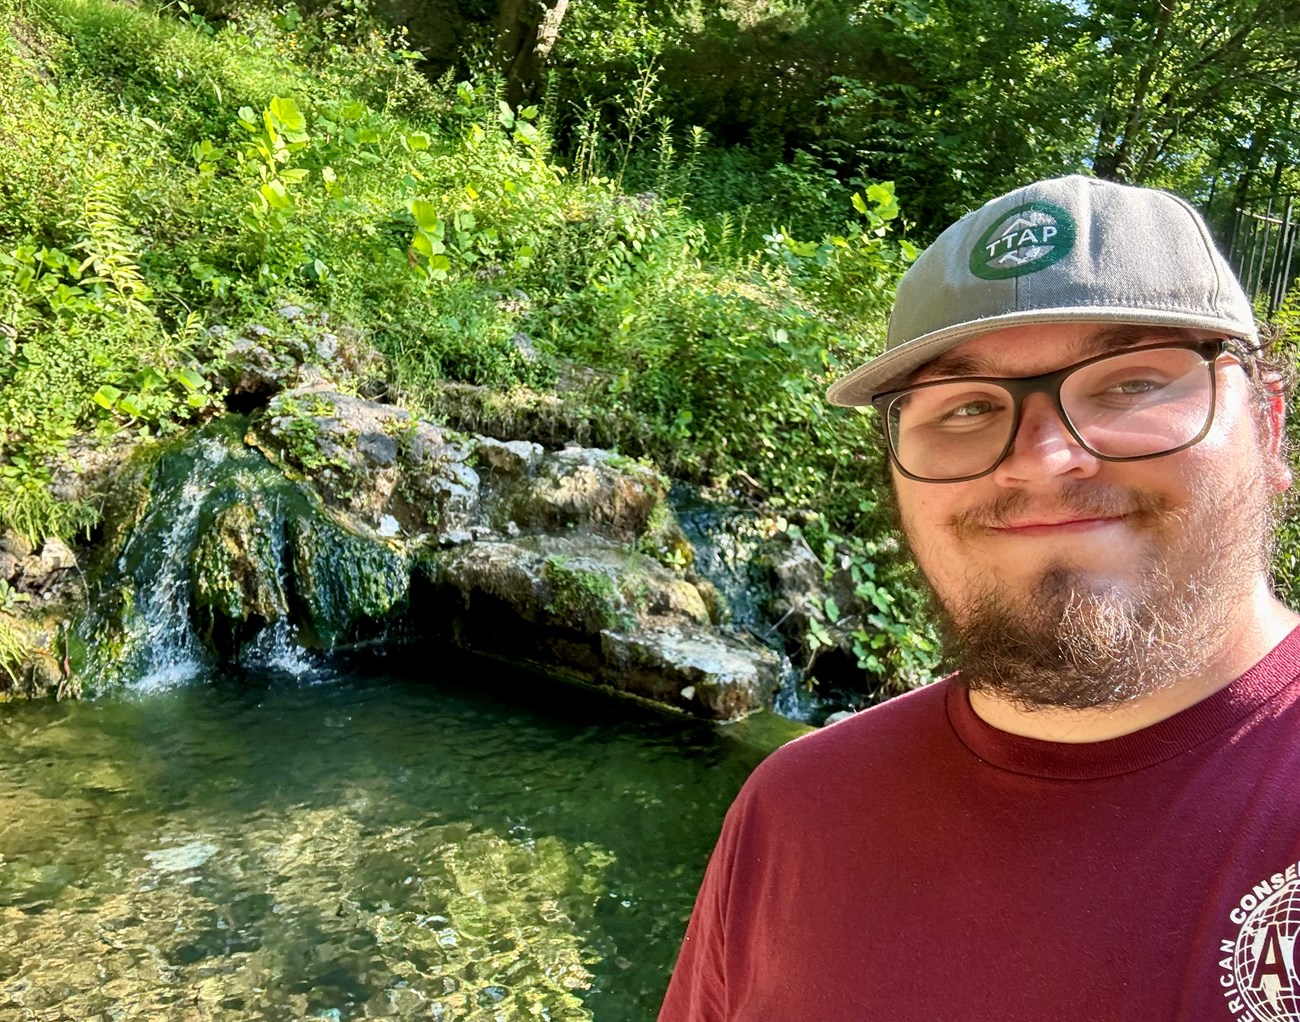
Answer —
1261 965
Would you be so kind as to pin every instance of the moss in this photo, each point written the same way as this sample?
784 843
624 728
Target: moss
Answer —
664 540
237 562
342 579
584 599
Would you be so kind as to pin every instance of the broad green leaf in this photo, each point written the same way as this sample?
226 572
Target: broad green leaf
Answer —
189 379
286 111
149 378
107 396
426 216
275 195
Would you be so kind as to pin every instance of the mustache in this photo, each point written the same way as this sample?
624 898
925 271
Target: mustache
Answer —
1081 499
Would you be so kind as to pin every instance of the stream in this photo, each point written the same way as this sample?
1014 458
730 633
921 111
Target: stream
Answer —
423 837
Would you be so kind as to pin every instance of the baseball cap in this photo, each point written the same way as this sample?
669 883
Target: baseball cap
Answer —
1067 250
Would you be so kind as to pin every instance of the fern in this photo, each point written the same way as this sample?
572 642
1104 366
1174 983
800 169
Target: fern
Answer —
13 651
28 507
107 246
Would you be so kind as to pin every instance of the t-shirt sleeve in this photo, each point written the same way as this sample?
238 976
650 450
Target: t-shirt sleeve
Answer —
697 991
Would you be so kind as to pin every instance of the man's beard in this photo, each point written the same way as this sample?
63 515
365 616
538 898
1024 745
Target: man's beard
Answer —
1077 639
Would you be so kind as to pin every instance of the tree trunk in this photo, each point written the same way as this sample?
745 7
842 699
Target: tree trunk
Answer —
526 33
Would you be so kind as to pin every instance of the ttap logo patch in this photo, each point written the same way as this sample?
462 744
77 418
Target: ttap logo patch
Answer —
1025 240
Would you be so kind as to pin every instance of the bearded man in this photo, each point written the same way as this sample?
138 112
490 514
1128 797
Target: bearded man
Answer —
1098 816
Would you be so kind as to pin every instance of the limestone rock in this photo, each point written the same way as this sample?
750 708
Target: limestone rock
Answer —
237 565
372 460
15 544
56 556
585 488
596 610
704 672
509 457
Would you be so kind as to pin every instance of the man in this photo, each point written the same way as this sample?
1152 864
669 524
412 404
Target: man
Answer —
1098 816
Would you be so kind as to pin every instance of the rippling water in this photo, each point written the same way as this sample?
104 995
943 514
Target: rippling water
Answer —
364 844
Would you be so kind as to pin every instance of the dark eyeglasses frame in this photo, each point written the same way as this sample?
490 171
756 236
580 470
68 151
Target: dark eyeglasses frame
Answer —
1020 387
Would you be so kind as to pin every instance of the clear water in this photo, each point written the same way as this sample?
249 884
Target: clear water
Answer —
429 841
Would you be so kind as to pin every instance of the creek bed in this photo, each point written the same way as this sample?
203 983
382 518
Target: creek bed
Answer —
355 843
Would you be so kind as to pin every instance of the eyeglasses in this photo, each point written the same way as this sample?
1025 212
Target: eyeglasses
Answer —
1134 404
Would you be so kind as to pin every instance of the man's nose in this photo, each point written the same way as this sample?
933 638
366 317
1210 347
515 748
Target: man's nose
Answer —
1043 447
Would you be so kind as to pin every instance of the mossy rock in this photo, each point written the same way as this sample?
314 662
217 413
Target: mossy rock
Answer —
341 579
237 563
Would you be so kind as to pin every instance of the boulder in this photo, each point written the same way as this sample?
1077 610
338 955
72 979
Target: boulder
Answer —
706 673
596 610
373 461
509 457
581 487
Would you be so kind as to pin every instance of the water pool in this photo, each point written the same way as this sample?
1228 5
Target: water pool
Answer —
444 838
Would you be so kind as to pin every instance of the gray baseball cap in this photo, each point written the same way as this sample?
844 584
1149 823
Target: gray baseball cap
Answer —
1069 250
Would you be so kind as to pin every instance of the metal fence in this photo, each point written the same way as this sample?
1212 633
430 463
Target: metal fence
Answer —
1262 247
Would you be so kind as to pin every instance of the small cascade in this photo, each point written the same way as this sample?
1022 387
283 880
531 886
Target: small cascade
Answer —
728 553
147 626
160 647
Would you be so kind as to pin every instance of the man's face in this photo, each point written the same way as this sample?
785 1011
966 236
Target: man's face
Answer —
1068 580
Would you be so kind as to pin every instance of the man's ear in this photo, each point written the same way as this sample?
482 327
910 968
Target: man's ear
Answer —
1275 425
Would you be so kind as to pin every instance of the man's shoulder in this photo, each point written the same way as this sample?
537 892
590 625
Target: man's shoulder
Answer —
893 736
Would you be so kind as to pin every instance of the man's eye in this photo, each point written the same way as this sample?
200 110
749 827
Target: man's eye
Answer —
1135 387
969 410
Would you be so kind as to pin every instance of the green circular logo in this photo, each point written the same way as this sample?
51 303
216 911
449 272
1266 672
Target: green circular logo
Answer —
1024 240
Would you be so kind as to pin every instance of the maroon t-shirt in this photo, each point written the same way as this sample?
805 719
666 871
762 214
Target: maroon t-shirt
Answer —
915 863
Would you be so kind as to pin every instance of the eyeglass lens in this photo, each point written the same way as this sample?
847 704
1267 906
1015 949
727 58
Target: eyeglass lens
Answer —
1135 404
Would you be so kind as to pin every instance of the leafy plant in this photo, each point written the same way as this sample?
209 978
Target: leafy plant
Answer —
10 597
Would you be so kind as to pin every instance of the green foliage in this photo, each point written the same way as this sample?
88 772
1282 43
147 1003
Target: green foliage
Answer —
13 651
1286 558
10 597
684 302
893 638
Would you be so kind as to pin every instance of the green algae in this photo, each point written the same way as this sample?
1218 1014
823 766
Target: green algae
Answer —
342 579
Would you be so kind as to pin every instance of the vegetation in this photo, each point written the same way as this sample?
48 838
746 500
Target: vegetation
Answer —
684 236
